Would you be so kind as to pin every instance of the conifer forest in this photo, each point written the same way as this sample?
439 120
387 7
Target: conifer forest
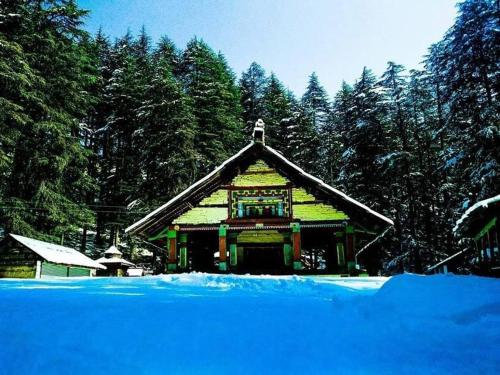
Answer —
95 132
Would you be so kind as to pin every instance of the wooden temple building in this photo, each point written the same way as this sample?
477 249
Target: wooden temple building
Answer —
260 213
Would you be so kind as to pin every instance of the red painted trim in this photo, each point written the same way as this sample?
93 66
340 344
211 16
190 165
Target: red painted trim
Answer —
222 248
296 246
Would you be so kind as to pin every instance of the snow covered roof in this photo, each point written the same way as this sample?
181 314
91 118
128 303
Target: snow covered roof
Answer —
477 206
119 261
113 251
185 192
145 221
56 253
330 188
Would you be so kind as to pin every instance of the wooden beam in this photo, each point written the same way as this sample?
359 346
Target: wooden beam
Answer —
172 248
296 244
223 247
183 253
350 252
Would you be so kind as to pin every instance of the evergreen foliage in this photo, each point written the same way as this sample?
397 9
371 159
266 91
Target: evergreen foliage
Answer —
94 133
253 84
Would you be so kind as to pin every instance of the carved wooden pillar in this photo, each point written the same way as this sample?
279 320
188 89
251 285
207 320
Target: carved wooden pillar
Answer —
297 249
223 247
183 251
172 248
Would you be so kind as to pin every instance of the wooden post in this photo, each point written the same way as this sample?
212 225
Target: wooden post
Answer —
297 264
223 247
350 256
172 248
183 253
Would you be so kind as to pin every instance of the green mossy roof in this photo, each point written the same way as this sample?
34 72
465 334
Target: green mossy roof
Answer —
317 212
202 215
218 197
300 195
260 174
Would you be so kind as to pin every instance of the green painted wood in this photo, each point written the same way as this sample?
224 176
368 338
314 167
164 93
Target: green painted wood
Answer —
161 234
78 272
300 195
218 197
183 257
486 229
233 254
317 212
256 179
202 215
288 254
260 174
259 166
51 269
223 230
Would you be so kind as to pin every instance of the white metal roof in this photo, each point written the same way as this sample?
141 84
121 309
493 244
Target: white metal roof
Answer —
113 251
474 207
56 253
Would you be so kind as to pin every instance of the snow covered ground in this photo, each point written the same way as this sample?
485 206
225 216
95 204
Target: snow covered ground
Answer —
201 323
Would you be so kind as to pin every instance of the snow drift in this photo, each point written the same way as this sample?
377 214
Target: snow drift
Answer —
199 323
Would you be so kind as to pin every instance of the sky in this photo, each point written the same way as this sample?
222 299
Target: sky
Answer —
292 38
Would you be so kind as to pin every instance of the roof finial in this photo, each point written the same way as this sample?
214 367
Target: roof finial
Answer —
258 132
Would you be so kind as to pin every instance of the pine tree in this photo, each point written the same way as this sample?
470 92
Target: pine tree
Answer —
211 86
168 157
253 84
123 133
166 51
467 61
365 146
335 136
47 182
277 112
315 104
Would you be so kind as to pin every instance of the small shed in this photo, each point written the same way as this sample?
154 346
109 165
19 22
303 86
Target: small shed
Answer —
477 229
480 224
115 264
24 257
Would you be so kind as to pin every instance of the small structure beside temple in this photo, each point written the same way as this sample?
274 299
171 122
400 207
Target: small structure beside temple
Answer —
479 226
115 264
24 257
263 214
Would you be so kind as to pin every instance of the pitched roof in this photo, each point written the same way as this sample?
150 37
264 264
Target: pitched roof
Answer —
474 210
56 253
113 251
120 261
222 169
